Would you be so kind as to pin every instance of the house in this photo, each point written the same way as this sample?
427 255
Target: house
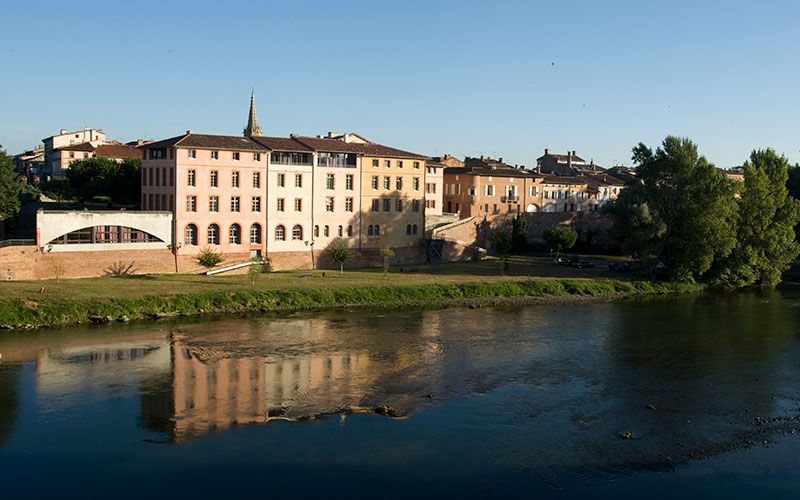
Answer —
560 164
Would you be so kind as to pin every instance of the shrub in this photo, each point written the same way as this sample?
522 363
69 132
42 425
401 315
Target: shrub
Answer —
209 258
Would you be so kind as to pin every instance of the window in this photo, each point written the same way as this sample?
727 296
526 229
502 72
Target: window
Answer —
297 232
340 232
399 183
163 176
387 163
155 154
298 180
387 205
416 164
257 157
330 181
190 236
191 203
235 234
348 204
348 182
349 230
213 204
415 205
234 203
489 190
213 234
215 155
256 179
281 180
285 158
408 229
374 182
298 204
255 204
281 205
398 205
327 231
235 156
235 179
280 233
430 187
471 191
329 204
370 230
192 153
387 183
377 230
375 163
375 205
255 233
415 183
414 229
316 231
214 177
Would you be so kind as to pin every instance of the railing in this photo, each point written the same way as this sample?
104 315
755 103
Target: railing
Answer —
16 243
509 199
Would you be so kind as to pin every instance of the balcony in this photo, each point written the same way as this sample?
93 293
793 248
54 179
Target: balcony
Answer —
509 199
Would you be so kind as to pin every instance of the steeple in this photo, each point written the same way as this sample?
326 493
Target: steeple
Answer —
252 122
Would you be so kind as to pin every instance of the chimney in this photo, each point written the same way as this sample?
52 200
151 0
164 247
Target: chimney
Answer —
574 153
188 132
546 152
501 159
569 159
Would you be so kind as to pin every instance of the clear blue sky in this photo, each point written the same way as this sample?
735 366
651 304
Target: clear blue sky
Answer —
464 77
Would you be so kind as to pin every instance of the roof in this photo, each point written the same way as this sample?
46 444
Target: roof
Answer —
294 144
81 146
562 158
557 179
604 179
116 151
493 172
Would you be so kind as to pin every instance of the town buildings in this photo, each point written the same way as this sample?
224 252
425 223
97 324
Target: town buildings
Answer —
53 161
285 197
560 164
484 186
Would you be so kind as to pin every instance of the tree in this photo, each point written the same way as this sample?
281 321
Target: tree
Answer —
560 238
690 219
767 215
633 225
255 270
10 188
387 253
209 258
93 177
340 252
519 233
502 246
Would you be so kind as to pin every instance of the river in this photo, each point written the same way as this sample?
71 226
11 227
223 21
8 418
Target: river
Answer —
657 397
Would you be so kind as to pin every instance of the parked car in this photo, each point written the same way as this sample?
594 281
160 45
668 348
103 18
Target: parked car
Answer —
561 261
581 264
622 267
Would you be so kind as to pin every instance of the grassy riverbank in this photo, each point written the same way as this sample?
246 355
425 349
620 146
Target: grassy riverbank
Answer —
48 303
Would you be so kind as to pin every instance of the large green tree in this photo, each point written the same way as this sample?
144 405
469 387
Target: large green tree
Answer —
634 227
105 177
689 219
765 234
10 188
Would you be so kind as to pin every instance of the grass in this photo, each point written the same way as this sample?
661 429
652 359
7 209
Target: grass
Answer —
43 303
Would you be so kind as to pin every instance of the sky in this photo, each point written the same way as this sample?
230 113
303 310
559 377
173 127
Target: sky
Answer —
501 78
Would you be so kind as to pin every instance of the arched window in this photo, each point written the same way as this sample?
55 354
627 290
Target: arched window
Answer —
280 233
255 233
327 230
190 237
297 232
341 232
213 234
377 229
349 230
235 234
370 230
414 229
316 231
408 229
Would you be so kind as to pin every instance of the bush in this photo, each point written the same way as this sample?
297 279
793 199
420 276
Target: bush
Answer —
209 258
560 238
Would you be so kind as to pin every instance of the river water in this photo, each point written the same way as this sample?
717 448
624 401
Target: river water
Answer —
534 400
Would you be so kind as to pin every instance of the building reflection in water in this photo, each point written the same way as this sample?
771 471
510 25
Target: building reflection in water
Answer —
251 372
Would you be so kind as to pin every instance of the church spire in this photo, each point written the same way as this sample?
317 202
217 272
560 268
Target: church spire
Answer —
252 127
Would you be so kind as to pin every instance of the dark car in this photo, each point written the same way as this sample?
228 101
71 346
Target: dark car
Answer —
581 264
561 261
622 267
